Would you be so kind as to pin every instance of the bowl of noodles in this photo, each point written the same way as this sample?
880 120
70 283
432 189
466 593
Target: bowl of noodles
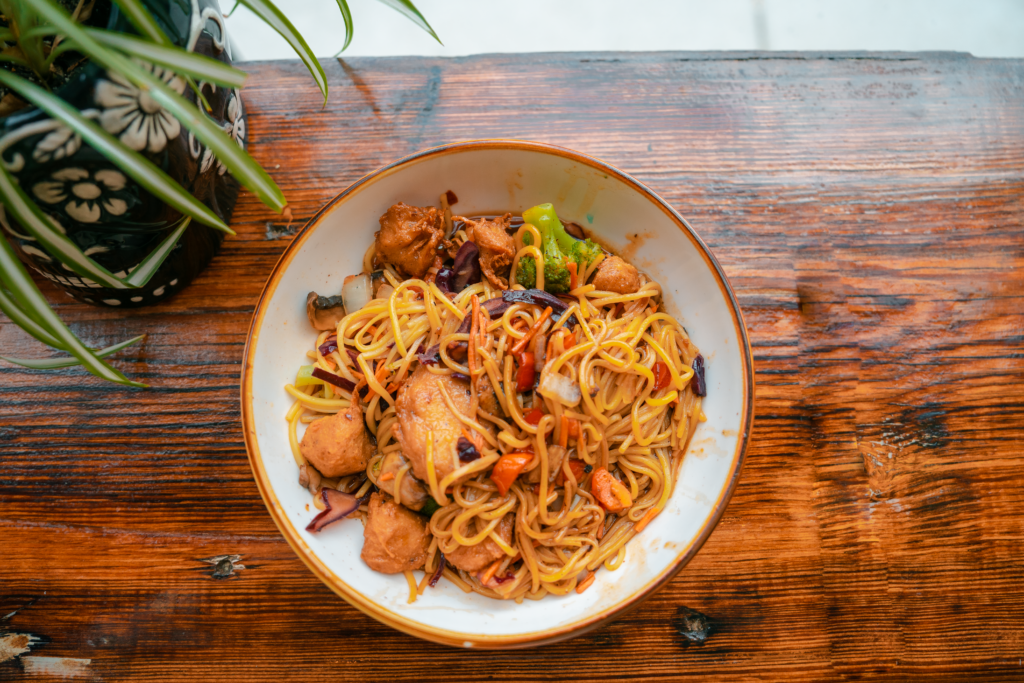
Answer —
496 393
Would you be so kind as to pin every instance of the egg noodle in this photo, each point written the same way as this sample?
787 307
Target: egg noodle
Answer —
621 422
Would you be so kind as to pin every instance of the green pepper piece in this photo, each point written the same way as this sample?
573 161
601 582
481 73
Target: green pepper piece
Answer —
305 378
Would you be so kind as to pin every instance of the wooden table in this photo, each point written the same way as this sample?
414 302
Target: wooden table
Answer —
868 209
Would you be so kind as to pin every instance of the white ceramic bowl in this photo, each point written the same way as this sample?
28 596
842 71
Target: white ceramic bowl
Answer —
493 177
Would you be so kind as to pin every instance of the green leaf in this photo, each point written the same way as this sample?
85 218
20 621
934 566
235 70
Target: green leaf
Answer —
39 32
242 166
178 60
10 307
52 363
42 227
143 20
11 59
17 279
273 17
409 11
141 169
145 270
346 15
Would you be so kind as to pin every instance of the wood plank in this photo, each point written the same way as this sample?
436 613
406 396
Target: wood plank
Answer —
867 209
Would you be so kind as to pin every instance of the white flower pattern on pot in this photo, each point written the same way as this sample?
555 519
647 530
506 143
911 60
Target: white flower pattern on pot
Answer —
86 194
234 126
133 115
61 142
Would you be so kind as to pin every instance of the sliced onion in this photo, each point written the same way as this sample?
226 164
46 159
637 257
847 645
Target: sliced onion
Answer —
491 307
700 386
466 267
329 346
574 230
338 505
431 356
331 378
440 570
443 280
356 292
385 291
559 388
540 298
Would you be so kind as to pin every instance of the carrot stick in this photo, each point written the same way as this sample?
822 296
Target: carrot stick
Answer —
387 476
573 277
491 571
585 583
378 374
474 330
521 344
646 519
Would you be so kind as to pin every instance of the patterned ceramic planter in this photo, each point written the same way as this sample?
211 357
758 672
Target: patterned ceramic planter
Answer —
110 217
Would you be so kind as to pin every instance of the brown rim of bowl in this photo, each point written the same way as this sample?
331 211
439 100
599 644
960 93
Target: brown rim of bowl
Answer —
367 606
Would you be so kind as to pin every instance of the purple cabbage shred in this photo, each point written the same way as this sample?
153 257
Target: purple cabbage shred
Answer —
338 506
333 379
700 386
467 451
466 269
440 570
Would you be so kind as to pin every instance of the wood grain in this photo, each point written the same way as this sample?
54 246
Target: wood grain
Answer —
868 209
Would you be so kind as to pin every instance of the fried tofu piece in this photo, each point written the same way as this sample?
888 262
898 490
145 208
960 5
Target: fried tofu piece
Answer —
409 238
615 275
338 445
497 248
421 409
474 558
395 539
414 492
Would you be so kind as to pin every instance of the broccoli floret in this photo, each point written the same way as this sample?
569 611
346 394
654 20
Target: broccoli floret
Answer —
526 272
556 274
584 252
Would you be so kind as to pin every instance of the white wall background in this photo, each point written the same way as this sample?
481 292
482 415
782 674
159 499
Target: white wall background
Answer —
986 28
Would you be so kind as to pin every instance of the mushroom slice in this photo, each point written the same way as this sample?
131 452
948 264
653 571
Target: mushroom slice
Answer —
325 312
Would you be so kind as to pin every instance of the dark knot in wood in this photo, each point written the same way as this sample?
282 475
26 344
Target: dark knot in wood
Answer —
692 625
224 566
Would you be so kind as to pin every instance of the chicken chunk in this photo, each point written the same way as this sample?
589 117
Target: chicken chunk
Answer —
409 237
474 558
338 445
615 275
488 398
497 248
395 539
414 492
421 409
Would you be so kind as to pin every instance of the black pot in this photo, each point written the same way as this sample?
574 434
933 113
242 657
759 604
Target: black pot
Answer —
110 217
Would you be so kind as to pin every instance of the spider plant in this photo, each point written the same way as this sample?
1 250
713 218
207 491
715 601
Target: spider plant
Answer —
37 32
